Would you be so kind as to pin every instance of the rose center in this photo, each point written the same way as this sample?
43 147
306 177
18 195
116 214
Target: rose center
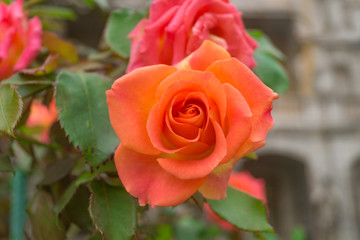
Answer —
188 111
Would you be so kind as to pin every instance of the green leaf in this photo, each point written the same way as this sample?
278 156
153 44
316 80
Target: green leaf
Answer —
10 108
83 113
5 163
30 85
43 220
242 210
119 25
251 156
265 44
57 170
271 72
265 236
112 210
55 44
52 12
269 68
83 178
18 205
77 209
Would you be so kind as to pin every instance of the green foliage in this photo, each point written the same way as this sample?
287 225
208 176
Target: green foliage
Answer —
83 178
269 68
103 4
44 221
28 85
57 170
5 163
57 45
242 210
120 24
77 209
10 108
298 233
83 113
53 12
113 211
193 229
18 205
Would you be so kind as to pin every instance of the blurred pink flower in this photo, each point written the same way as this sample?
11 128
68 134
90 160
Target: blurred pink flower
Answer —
176 28
42 117
20 38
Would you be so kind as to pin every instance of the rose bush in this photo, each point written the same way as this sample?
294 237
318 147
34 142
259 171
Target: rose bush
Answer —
20 38
182 129
176 28
245 182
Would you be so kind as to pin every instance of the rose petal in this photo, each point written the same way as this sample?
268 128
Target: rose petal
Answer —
197 168
129 109
204 56
258 96
238 128
33 34
217 182
147 40
143 178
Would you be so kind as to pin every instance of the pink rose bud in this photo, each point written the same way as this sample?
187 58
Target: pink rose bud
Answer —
176 28
20 38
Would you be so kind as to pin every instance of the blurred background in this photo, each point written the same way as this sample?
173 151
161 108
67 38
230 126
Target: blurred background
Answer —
311 163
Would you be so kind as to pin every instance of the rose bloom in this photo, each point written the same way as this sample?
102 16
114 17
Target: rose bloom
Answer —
20 38
245 182
182 129
42 117
176 28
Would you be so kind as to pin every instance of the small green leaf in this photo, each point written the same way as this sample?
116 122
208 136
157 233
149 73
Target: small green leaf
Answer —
251 156
10 108
271 72
83 113
119 25
44 222
112 210
52 12
5 163
55 44
18 204
242 210
269 68
265 44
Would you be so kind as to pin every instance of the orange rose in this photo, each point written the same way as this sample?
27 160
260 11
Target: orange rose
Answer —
245 182
182 129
